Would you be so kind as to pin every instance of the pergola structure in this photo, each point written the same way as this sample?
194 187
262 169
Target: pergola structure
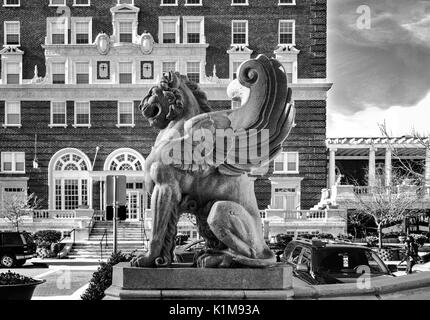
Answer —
373 149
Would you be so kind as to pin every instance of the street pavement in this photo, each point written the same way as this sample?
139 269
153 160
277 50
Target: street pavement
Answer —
63 282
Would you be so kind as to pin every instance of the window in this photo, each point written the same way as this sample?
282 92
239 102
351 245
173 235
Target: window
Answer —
82 114
193 30
12 33
239 2
13 114
169 30
58 114
168 66
126 162
285 199
82 30
236 65
287 162
295 255
287 32
126 32
131 2
59 73
11 3
193 71
287 2
240 32
58 32
82 73
169 2
81 3
57 3
125 72
193 2
13 162
13 73
125 114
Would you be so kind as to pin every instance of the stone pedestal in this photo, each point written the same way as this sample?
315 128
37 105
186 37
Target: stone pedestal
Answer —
179 282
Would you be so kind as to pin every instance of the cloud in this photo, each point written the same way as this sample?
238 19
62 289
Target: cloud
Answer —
388 65
399 120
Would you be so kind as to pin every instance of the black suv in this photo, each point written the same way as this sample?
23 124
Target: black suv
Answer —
15 249
316 262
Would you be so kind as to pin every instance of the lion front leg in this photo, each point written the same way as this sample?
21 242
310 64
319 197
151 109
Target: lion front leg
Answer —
165 201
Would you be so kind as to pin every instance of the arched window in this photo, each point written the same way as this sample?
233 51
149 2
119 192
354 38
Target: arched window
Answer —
124 160
69 180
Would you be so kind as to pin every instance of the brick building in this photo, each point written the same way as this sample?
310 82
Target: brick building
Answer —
71 78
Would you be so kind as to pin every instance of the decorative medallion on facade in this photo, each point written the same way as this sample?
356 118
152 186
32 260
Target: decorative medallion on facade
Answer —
103 43
147 43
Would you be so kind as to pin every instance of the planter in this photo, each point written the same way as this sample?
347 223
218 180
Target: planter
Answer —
19 292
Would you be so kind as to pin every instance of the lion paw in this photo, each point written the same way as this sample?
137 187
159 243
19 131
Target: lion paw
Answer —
143 261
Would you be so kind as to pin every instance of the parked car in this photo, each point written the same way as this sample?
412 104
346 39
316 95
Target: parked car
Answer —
316 262
15 249
186 253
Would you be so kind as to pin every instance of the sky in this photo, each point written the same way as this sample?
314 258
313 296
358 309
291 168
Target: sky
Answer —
379 62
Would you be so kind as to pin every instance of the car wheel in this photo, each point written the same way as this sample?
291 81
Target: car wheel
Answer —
7 261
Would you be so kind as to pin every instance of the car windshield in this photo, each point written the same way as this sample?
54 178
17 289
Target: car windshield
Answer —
348 261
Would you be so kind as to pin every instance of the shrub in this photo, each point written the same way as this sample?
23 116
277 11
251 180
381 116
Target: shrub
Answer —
10 279
420 238
46 238
102 278
372 241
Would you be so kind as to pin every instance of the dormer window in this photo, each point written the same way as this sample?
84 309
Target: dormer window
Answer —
12 33
58 73
125 23
12 73
57 31
126 32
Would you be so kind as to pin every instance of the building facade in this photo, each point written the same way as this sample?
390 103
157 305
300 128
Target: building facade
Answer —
74 71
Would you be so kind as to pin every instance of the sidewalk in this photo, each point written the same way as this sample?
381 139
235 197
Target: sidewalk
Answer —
67 262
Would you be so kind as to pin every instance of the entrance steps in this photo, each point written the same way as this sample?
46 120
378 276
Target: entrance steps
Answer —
131 239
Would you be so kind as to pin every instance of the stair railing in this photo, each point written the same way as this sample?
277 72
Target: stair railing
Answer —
105 238
92 224
65 236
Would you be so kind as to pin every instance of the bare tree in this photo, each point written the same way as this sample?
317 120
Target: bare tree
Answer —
18 206
387 205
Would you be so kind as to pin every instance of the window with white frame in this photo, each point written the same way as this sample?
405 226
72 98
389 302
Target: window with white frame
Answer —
11 3
287 2
58 70
13 73
285 199
13 162
193 2
126 31
287 32
58 31
240 32
58 114
82 114
193 71
125 114
131 2
169 2
82 72
12 33
239 2
57 3
82 30
193 29
71 190
287 162
236 65
125 72
12 114
169 30
81 3
168 67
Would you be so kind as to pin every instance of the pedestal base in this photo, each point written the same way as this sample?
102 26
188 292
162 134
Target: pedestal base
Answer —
196 284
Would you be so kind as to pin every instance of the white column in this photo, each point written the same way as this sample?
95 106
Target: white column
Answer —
372 166
332 168
427 174
388 166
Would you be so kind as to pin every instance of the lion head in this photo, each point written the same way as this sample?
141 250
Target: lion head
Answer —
165 102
